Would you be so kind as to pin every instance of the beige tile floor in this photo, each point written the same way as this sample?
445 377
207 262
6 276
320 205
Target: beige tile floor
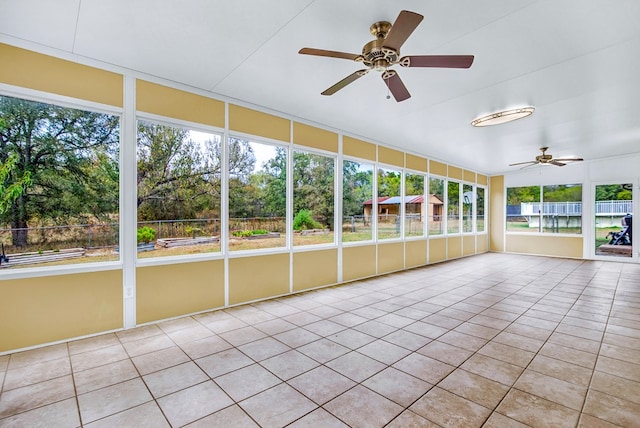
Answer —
493 340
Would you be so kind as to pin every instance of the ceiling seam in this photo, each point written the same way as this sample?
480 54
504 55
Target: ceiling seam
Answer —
75 30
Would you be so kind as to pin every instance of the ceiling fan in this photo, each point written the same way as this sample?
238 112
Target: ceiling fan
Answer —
544 158
383 52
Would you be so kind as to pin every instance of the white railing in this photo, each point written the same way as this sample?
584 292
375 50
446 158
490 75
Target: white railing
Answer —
575 208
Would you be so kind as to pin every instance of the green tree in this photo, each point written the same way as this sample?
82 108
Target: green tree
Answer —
71 157
272 181
180 178
389 182
357 187
313 186
11 188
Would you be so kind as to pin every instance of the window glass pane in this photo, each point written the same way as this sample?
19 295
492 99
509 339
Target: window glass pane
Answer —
436 206
178 190
357 200
389 182
467 208
414 206
480 209
59 173
313 198
523 209
257 195
614 220
453 207
562 208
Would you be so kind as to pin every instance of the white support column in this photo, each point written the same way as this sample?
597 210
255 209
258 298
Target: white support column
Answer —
128 205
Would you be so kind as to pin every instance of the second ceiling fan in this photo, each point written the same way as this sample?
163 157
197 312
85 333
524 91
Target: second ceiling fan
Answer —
383 52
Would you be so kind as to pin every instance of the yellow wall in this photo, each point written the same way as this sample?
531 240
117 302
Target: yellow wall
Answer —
176 289
314 269
454 247
437 250
415 253
390 257
258 277
469 176
315 137
496 214
416 162
548 245
358 262
253 122
169 102
482 244
390 156
437 168
45 73
454 172
358 148
51 308
468 245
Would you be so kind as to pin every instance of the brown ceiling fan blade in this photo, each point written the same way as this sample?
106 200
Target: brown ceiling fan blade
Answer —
331 54
569 160
524 163
344 82
405 24
395 85
556 163
444 61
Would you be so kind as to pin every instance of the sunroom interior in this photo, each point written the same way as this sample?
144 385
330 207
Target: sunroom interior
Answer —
232 73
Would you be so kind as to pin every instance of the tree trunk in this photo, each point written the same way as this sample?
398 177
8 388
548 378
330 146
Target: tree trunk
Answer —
19 228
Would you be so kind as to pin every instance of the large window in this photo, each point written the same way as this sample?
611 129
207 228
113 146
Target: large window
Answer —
313 198
257 195
467 208
357 201
480 209
389 203
59 184
414 205
553 209
178 190
453 207
436 206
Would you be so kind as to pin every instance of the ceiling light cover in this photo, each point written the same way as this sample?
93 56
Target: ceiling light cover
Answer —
503 116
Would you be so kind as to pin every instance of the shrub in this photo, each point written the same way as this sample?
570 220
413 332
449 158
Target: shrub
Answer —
304 220
192 230
146 234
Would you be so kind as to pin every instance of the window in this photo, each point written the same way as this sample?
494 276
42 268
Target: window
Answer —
453 207
313 198
178 190
414 205
552 208
523 209
467 208
59 184
480 208
389 182
257 195
562 208
436 206
357 201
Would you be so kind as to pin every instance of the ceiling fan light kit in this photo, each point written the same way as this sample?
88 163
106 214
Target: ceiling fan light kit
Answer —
503 116
384 52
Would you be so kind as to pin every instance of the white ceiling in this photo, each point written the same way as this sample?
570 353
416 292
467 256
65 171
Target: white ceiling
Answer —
576 62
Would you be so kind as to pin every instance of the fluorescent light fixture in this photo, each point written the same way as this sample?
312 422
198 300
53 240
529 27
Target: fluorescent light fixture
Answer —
503 116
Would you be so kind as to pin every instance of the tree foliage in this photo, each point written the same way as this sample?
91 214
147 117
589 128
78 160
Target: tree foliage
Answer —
71 158
357 187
